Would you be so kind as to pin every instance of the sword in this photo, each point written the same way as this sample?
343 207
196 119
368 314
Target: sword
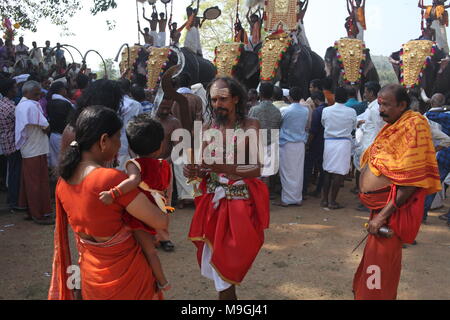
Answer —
360 243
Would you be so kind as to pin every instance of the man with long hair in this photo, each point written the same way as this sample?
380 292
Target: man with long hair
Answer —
232 211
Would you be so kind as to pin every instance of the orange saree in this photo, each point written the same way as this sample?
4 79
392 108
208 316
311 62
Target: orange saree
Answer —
115 270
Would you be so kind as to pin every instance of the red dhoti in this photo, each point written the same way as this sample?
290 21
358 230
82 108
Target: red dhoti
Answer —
35 187
378 274
232 225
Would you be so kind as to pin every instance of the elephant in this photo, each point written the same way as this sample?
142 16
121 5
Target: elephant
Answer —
298 67
247 70
200 70
333 69
232 60
435 79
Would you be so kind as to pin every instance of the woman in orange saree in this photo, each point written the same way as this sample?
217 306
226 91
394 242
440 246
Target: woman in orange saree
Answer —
112 265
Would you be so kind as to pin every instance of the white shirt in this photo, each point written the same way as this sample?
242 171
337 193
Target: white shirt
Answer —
339 121
21 48
373 125
130 108
37 55
31 140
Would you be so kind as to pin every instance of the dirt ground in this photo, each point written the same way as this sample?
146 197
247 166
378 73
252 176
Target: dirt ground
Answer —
306 255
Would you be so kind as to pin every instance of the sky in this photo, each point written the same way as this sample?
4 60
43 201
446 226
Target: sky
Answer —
390 23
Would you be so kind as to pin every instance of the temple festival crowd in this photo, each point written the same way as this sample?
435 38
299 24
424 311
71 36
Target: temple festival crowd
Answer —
104 150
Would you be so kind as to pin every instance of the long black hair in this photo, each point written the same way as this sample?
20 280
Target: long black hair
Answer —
236 90
102 93
92 123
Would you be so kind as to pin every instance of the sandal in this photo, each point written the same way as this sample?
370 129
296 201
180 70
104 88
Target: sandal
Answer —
167 246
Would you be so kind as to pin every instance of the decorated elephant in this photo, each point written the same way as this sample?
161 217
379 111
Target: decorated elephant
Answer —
232 60
148 64
421 67
349 63
291 64
278 60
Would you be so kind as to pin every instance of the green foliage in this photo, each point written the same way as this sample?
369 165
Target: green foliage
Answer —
385 70
113 73
103 5
29 12
220 30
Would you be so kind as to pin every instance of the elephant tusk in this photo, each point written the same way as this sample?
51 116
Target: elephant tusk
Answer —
424 96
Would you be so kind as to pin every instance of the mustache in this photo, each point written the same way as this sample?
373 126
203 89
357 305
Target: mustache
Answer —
220 109
383 115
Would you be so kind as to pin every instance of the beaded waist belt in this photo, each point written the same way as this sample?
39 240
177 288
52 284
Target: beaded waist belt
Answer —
232 191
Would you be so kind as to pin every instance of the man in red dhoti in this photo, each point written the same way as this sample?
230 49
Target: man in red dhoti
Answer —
232 211
398 170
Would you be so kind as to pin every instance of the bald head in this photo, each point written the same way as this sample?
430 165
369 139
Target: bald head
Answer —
437 100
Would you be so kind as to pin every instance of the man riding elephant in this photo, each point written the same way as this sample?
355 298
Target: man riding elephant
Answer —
439 16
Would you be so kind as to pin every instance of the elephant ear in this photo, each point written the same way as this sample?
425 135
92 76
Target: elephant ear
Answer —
169 90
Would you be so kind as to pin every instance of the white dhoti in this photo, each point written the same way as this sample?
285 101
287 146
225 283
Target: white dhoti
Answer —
209 272
441 35
155 36
302 35
360 35
55 147
337 156
271 158
185 191
438 201
292 164
192 40
162 39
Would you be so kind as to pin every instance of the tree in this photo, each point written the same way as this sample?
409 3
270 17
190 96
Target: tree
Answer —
28 13
221 30
385 70
113 73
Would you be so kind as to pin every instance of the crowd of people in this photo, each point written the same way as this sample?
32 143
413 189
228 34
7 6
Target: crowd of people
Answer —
53 130
104 149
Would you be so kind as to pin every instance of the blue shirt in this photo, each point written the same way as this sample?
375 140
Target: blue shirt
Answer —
147 106
293 126
443 156
359 107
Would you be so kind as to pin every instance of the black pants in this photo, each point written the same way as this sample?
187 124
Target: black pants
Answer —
14 161
313 160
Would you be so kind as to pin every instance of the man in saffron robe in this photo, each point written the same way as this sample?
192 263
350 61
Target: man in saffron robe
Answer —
398 170
357 12
232 211
439 16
